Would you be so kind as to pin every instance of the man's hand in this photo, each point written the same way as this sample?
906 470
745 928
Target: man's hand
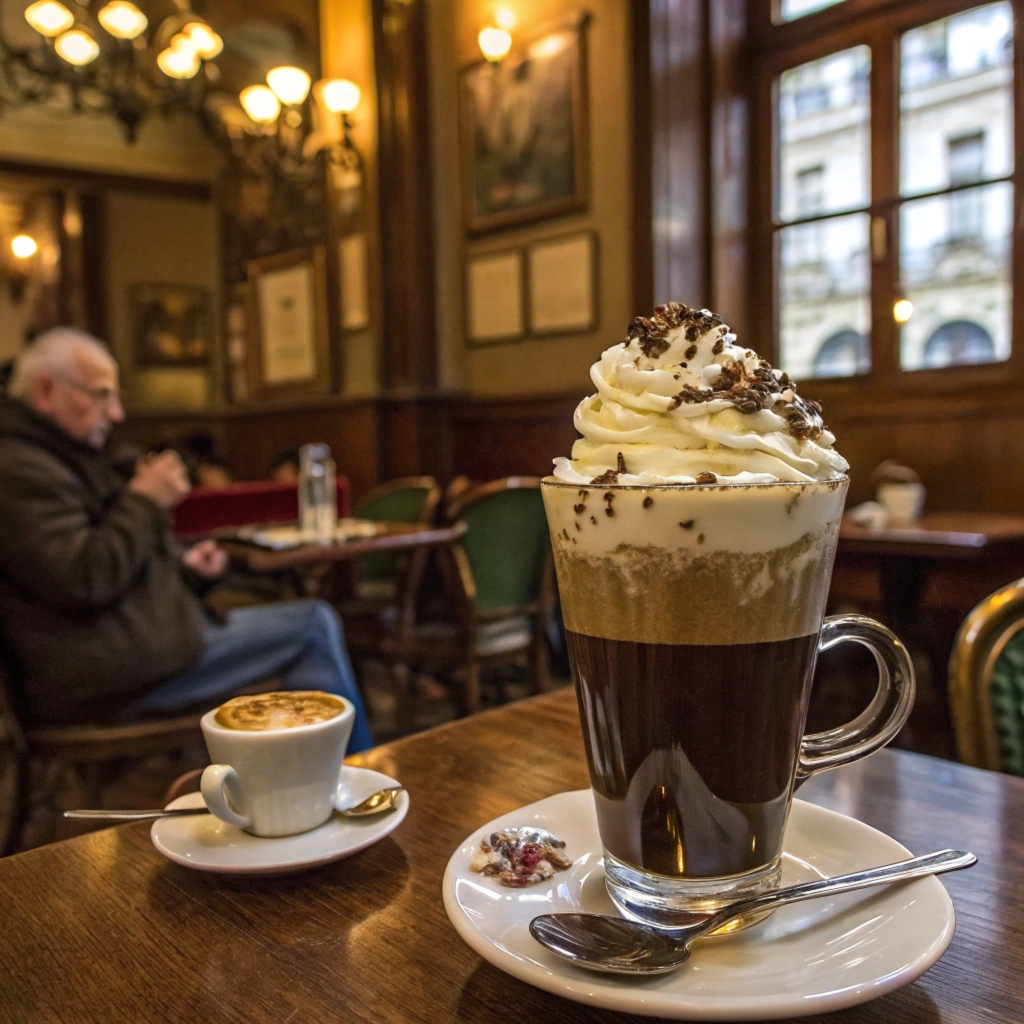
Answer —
207 560
162 479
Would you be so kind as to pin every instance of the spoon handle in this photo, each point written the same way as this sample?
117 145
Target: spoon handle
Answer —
103 815
916 867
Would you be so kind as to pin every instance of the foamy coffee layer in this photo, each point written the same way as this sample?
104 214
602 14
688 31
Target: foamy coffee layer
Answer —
725 564
288 709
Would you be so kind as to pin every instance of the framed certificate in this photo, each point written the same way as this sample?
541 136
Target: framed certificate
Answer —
562 276
494 298
290 323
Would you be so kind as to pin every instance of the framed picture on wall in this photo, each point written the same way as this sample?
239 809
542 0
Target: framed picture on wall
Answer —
289 313
172 324
494 298
562 284
524 134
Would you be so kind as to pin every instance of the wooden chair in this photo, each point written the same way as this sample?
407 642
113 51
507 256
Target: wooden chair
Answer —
986 683
501 582
82 747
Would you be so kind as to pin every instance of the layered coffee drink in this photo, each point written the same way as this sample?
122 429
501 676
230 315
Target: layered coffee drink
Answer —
285 709
694 530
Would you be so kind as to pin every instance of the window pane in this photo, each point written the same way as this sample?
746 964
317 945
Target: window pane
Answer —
789 10
955 269
956 100
824 135
824 308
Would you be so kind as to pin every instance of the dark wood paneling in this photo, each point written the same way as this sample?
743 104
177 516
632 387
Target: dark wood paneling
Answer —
252 439
680 136
409 347
496 438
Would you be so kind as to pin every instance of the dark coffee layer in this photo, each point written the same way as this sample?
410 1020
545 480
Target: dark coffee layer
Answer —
692 748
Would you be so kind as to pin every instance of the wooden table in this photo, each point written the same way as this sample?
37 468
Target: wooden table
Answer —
393 537
946 563
102 929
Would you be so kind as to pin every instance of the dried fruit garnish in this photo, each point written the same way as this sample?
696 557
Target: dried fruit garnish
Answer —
518 857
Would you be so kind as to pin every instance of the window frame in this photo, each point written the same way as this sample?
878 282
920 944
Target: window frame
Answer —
879 24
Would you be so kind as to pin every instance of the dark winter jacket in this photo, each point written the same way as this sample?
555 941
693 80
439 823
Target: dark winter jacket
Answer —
94 606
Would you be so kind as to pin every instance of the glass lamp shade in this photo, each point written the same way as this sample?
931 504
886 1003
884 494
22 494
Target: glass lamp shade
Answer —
123 20
49 18
494 43
178 61
260 103
205 41
77 47
290 85
340 96
23 246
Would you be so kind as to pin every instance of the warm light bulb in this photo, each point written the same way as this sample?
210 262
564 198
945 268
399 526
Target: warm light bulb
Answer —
49 18
494 43
290 85
340 95
77 47
505 19
23 246
260 103
122 20
902 310
205 41
178 61
182 43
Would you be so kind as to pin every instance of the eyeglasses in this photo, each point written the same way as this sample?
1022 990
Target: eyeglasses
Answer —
102 396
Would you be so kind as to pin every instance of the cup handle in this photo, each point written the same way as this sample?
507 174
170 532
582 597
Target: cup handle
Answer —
222 792
883 718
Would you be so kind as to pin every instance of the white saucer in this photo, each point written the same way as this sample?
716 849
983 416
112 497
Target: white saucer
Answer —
807 958
208 844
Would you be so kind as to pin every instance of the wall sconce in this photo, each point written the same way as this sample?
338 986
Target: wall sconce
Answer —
496 40
24 246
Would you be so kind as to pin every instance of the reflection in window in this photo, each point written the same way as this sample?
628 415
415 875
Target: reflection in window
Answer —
789 10
822 298
956 128
844 354
957 343
823 171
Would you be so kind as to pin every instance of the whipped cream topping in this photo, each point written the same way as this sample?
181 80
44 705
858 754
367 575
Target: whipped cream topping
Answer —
680 402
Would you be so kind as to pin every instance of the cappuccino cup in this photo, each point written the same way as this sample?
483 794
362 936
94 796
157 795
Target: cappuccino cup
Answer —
276 760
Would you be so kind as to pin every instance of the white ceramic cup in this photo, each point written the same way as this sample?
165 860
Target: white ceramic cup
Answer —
275 782
902 501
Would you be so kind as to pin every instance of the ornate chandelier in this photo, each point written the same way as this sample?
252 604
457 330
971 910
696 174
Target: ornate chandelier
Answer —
106 62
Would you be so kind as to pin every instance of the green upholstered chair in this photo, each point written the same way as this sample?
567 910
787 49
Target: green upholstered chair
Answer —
410 499
500 580
986 681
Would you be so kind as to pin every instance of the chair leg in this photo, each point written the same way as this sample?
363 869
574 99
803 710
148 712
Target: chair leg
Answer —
16 779
405 695
471 688
540 678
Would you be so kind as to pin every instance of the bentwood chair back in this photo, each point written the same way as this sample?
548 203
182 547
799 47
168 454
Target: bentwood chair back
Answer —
986 683
80 747
409 499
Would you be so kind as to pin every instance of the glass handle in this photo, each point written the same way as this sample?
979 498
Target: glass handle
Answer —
889 709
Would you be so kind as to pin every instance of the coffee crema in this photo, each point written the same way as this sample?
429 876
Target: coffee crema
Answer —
285 709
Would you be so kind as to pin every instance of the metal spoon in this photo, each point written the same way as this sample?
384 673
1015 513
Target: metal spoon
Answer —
601 942
376 803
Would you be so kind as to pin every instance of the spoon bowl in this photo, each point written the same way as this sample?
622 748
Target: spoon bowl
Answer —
615 945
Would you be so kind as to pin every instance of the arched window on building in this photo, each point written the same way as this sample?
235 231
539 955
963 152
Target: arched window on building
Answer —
843 354
957 343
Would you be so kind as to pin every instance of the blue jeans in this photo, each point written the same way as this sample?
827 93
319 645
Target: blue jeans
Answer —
298 642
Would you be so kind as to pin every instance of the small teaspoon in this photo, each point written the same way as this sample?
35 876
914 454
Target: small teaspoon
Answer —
376 803
615 945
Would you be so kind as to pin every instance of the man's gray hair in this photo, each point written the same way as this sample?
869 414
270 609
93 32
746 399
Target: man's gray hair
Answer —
51 353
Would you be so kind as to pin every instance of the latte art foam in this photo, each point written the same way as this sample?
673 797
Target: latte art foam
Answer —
288 709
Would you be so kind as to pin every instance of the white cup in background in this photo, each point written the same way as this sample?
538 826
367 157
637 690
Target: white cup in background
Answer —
902 501
275 782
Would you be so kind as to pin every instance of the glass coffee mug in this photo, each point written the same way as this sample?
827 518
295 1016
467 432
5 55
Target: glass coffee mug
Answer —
694 617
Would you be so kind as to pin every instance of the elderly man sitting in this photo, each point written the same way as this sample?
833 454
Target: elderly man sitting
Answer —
98 606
